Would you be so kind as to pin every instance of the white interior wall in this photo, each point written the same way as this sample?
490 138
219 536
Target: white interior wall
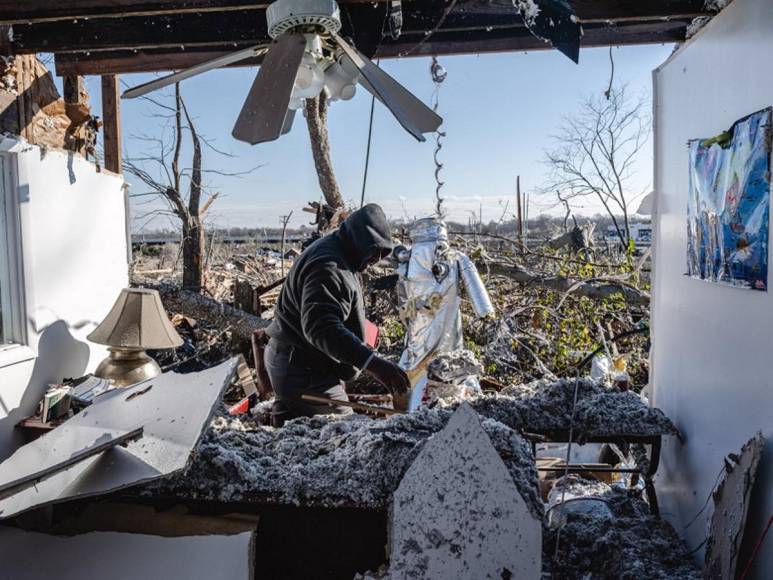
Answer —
73 250
711 344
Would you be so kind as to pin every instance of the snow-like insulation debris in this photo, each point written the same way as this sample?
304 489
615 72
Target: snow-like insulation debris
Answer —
546 406
358 461
448 367
529 10
328 460
631 545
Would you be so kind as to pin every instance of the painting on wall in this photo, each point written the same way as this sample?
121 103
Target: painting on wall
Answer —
729 204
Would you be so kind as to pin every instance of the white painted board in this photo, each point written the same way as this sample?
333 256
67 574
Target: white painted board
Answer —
173 410
120 556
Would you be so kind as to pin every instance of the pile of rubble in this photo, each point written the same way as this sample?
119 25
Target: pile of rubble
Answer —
545 406
621 541
355 461
328 460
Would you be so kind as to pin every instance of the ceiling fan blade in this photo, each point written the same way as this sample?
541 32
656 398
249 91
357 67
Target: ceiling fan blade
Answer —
264 111
413 115
288 122
218 62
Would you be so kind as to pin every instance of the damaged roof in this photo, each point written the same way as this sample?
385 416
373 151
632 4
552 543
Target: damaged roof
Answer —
116 36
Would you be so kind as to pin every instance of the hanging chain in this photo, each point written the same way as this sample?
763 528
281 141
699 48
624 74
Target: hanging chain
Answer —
438 76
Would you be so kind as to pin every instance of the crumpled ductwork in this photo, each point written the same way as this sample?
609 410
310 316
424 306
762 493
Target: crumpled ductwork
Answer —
431 274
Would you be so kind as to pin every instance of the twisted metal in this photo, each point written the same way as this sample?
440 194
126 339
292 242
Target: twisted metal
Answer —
439 74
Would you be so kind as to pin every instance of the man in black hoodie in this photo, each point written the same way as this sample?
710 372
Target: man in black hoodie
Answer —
316 338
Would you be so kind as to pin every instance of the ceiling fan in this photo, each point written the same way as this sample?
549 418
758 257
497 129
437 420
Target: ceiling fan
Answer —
306 57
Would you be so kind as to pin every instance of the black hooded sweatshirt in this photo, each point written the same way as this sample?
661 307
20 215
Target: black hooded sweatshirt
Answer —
320 309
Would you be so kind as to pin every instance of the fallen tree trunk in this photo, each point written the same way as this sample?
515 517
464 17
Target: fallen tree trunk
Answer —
596 288
213 313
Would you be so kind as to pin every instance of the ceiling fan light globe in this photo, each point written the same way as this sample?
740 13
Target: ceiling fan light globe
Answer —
309 81
339 82
347 92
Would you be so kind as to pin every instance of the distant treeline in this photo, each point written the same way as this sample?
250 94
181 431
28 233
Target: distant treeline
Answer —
542 226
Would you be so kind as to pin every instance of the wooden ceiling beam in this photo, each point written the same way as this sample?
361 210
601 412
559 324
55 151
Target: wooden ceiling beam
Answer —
505 41
441 43
599 10
42 11
189 30
139 61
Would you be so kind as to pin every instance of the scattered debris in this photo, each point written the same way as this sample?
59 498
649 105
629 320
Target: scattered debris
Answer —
448 367
573 494
716 5
543 406
629 545
30 106
328 460
616 412
731 504
697 25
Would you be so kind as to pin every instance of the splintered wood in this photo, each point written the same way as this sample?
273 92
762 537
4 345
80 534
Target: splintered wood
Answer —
30 106
731 504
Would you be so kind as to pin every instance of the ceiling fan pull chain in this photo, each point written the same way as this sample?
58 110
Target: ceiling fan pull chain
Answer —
438 73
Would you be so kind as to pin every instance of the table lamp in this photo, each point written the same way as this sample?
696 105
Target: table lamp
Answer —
136 322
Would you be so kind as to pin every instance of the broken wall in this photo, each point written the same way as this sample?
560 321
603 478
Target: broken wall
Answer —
30 106
71 242
711 344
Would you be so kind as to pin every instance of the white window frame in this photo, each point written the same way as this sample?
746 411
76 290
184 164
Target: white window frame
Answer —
11 269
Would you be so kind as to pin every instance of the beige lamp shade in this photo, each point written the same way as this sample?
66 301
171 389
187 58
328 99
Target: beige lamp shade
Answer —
137 321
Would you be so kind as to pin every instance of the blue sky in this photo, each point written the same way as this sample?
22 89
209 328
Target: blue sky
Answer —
499 110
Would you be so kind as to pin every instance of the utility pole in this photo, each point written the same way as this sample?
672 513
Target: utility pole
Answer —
526 200
284 219
519 209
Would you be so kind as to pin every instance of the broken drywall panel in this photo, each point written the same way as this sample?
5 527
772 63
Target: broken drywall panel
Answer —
37 462
731 504
172 410
117 556
458 513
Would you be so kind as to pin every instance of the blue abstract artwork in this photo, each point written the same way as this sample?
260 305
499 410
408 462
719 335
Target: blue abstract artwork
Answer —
729 204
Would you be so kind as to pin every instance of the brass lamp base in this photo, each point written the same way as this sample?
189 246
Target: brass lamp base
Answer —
127 367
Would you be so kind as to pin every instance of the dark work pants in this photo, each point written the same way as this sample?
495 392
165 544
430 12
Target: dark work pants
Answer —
291 378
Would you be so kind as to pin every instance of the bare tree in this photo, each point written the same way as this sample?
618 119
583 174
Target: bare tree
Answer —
181 188
595 153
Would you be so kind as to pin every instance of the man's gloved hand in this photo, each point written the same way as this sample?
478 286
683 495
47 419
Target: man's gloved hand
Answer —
389 374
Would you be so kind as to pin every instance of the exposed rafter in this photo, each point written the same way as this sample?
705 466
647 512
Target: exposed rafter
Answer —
119 36
39 11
